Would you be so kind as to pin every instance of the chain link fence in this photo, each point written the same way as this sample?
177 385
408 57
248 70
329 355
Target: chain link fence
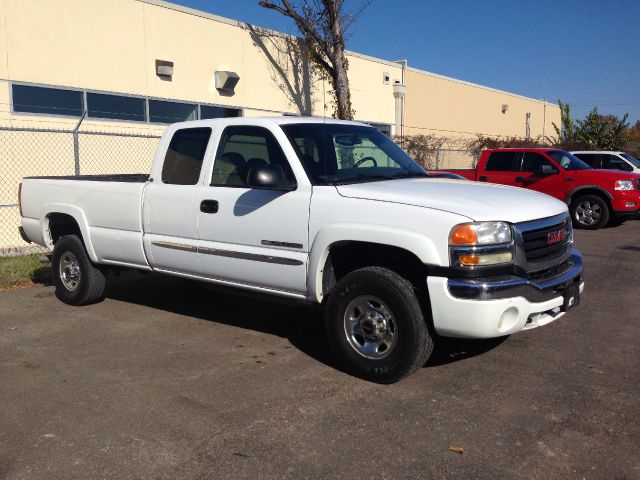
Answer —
446 159
28 152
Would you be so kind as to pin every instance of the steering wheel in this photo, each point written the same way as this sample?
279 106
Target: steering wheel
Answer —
365 159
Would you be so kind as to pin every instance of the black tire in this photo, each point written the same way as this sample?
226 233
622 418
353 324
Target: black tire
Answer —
413 344
72 268
600 209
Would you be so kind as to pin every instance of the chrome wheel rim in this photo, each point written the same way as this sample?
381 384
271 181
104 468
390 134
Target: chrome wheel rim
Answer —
588 212
69 271
370 327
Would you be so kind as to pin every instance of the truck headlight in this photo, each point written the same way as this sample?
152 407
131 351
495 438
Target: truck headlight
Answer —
624 185
481 243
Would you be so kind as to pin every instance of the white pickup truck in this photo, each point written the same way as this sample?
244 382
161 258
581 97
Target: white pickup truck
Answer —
325 211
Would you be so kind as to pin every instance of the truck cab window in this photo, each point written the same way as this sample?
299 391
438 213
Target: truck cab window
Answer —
613 162
503 162
533 162
183 161
242 148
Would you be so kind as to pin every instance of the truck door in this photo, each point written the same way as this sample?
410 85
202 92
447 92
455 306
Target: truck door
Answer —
502 167
541 174
171 204
253 236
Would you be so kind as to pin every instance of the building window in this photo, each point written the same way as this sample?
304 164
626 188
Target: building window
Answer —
171 112
208 111
116 107
185 154
383 127
50 101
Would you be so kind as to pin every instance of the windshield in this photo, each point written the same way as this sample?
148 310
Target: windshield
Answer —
341 153
631 158
567 160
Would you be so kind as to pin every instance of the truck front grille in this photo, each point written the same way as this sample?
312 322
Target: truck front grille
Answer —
542 241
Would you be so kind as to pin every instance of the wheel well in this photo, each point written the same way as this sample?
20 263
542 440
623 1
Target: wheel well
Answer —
345 257
61 224
590 191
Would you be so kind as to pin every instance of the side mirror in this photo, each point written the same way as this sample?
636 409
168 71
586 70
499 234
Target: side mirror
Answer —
548 170
269 177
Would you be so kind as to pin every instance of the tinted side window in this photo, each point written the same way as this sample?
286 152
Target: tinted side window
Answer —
242 148
592 159
183 161
533 162
615 163
100 105
503 161
52 101
161 111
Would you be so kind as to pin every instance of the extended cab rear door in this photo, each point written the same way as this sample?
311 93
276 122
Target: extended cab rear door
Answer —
502 167
171 203
254 236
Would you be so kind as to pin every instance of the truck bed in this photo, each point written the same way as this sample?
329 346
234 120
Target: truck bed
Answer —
109 208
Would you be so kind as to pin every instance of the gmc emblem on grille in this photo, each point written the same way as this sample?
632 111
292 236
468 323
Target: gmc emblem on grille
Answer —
557 236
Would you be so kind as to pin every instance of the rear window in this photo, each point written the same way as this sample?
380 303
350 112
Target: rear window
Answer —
185 154
503 161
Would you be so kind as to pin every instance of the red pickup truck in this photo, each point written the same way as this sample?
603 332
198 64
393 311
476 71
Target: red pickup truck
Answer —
595 197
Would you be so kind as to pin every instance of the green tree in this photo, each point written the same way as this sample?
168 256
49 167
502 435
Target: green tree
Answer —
602 132
565 133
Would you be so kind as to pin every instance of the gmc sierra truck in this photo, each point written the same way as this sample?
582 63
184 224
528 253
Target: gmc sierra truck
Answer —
595 197
323 211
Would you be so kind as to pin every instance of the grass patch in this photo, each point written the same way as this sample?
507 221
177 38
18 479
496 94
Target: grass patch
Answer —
22 271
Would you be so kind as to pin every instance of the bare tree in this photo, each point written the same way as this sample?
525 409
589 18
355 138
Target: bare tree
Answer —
323 25
289 66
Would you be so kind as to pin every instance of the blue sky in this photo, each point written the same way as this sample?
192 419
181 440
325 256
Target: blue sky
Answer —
585 52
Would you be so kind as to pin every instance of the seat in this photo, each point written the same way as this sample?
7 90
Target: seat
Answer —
229 169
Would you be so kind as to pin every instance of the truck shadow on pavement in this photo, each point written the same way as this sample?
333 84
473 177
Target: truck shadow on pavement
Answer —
302 325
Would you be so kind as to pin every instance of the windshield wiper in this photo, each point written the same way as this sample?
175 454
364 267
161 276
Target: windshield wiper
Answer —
360 177
410 175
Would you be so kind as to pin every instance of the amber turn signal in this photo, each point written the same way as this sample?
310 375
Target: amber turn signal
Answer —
464 235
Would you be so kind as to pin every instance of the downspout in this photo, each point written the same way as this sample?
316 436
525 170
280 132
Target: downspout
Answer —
399 92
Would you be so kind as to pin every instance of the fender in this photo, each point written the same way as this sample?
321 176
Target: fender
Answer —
78 216
420 245
585 187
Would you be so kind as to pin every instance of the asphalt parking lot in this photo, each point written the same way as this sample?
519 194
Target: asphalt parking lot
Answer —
170 379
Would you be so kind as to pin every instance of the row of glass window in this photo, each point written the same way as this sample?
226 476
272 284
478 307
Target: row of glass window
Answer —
56 101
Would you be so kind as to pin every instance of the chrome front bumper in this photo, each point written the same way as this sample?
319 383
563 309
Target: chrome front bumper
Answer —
509 286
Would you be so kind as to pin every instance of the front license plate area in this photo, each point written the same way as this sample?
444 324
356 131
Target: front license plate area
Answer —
571 297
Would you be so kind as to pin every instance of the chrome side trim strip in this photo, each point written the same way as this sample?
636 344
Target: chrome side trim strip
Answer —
229 253
176 246
250 256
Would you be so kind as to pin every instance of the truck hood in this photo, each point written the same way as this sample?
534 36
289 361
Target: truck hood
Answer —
475 200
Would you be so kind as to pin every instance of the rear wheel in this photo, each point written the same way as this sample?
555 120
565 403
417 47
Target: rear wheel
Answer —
76 279
375 325
590 212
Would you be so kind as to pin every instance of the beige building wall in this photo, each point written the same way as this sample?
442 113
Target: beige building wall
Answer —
111 46
453 108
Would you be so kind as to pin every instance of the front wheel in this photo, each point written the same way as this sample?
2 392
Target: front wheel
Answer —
375 325
589 212
77 280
